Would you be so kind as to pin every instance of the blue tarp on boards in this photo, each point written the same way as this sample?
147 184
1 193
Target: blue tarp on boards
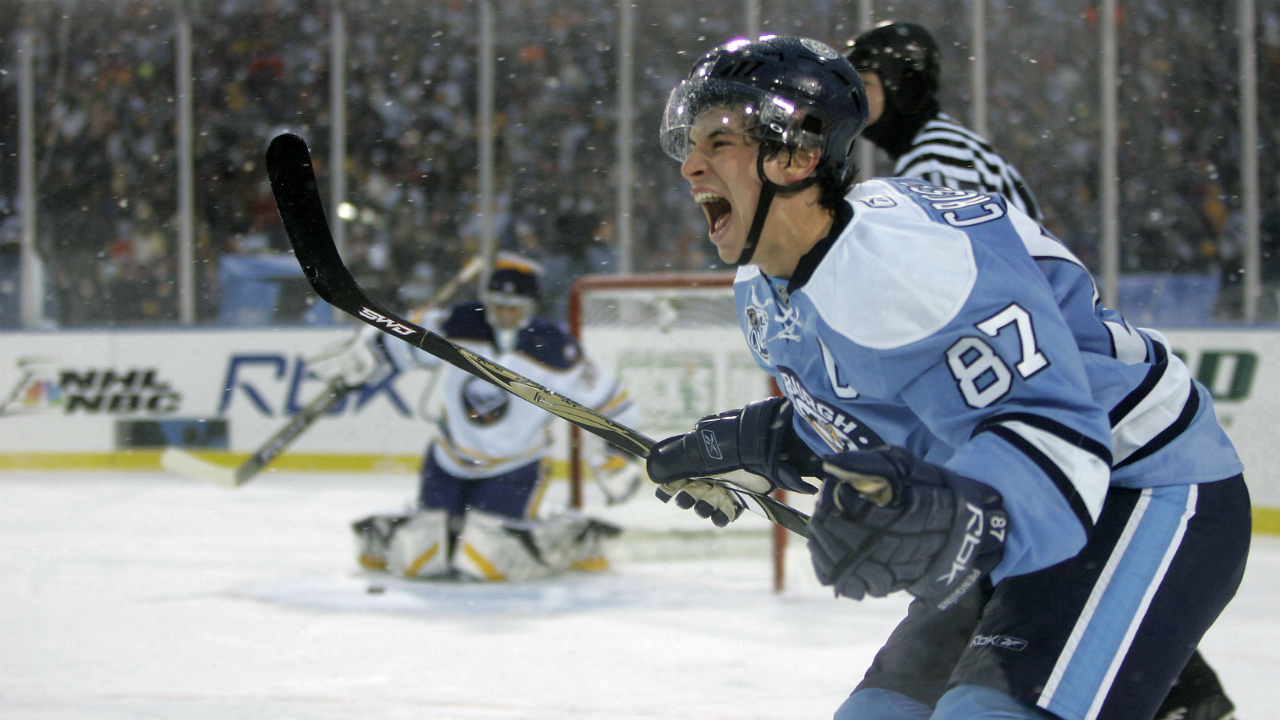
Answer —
1169 299
260 290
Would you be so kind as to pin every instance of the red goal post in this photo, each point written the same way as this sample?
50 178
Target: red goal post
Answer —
674 341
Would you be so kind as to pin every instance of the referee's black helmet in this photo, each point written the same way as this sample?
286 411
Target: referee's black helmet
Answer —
906 58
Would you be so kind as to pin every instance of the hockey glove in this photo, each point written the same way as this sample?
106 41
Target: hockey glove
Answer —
890 521
355 361
757 438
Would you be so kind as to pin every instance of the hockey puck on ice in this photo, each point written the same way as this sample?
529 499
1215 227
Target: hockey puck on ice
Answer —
376 590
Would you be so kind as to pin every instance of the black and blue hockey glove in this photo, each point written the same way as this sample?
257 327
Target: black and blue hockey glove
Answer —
890 521
757 438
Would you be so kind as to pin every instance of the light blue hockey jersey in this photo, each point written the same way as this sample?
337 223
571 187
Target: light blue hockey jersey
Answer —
949 323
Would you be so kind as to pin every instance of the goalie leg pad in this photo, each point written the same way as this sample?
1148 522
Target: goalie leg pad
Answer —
419 545
573 540
373 539
495 548
489 549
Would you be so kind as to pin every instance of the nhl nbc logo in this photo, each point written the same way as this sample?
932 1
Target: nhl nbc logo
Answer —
44 387
37 389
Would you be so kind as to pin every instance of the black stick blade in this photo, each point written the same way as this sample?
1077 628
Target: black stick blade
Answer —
293 182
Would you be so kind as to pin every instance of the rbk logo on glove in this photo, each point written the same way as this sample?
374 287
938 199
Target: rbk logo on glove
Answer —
753 438
713 446
890 521
971 540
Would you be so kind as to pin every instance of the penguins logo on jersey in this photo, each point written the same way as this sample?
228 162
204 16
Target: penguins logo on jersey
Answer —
836 428
757 327
484 402
758 324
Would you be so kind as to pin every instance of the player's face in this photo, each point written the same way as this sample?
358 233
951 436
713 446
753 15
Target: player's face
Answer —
721 170
875 95
507 316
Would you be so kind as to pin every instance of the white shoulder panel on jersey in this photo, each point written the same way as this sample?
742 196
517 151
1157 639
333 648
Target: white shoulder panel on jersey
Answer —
1129 345
894 276
1038 244
745 273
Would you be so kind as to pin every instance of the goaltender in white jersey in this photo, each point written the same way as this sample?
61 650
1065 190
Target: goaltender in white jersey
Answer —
485 472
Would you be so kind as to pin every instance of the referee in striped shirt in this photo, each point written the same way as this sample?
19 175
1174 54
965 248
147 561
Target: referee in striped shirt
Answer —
900 66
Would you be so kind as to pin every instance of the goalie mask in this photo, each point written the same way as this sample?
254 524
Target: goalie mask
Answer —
510 296
787 92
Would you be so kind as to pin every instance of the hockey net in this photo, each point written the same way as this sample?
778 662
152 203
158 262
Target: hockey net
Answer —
674 342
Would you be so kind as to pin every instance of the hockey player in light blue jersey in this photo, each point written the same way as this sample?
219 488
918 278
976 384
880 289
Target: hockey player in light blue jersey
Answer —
989 437
900 65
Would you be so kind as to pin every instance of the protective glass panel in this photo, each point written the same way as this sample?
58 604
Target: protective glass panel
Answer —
1042 111
10 221
1268 59
412 157
668 227
106 141
259 68
831 21
1178 154
105 160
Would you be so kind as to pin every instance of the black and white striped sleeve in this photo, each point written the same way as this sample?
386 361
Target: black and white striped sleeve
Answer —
946 153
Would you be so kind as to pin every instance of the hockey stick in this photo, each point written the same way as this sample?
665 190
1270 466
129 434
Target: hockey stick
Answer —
293 182
181 462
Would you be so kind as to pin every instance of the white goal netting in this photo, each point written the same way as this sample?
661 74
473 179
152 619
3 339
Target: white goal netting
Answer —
673 341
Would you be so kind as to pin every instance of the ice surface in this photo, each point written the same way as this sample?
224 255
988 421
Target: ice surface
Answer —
148 596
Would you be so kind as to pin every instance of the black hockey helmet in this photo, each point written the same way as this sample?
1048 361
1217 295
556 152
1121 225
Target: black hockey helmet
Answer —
906 58
796 92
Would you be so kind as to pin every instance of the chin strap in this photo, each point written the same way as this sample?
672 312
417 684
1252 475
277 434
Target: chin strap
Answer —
767 190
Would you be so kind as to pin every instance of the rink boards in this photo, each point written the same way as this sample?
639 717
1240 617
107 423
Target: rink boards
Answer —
115 399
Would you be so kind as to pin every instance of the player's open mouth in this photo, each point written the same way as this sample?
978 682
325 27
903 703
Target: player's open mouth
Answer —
718 211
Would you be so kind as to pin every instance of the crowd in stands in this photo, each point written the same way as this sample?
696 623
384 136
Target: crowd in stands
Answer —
106 147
